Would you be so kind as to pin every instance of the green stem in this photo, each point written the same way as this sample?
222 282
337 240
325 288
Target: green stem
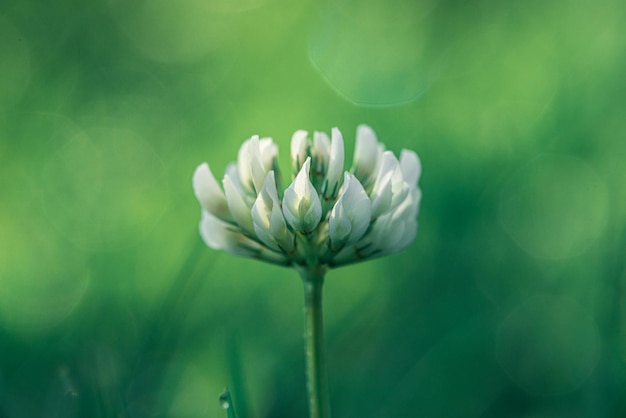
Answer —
317 382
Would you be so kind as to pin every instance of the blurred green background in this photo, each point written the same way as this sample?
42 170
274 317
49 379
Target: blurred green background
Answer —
510 303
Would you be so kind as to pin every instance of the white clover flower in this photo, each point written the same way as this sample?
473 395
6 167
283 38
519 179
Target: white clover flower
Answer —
326 216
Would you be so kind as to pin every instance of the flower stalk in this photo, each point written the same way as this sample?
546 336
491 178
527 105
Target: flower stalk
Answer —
316 377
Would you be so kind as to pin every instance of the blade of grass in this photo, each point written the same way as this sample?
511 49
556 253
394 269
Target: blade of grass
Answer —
236 374
227 403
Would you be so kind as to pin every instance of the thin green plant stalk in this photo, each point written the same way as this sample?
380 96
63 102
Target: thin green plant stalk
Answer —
226 401
316 378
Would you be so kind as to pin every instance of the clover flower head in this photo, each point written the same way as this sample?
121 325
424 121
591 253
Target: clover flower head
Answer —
326 216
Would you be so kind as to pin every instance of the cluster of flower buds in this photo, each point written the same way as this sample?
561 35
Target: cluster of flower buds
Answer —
326 216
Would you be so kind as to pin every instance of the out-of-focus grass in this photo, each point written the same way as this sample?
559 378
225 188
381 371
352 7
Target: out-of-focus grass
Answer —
509 303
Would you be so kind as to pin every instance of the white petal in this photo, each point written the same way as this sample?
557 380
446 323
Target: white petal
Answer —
367 153
278 229
213 231
209 193
399 235
359 207
396 229
390 189
351 215
237 205
269 223
257 163
381 233
254 160
301 204
390 234
348 254
409 231
261 212
268 153
232 171
221 236
409 206
339 225
299 149
410 166
335 164
263 234
243 164
269 188
382 192
320 153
